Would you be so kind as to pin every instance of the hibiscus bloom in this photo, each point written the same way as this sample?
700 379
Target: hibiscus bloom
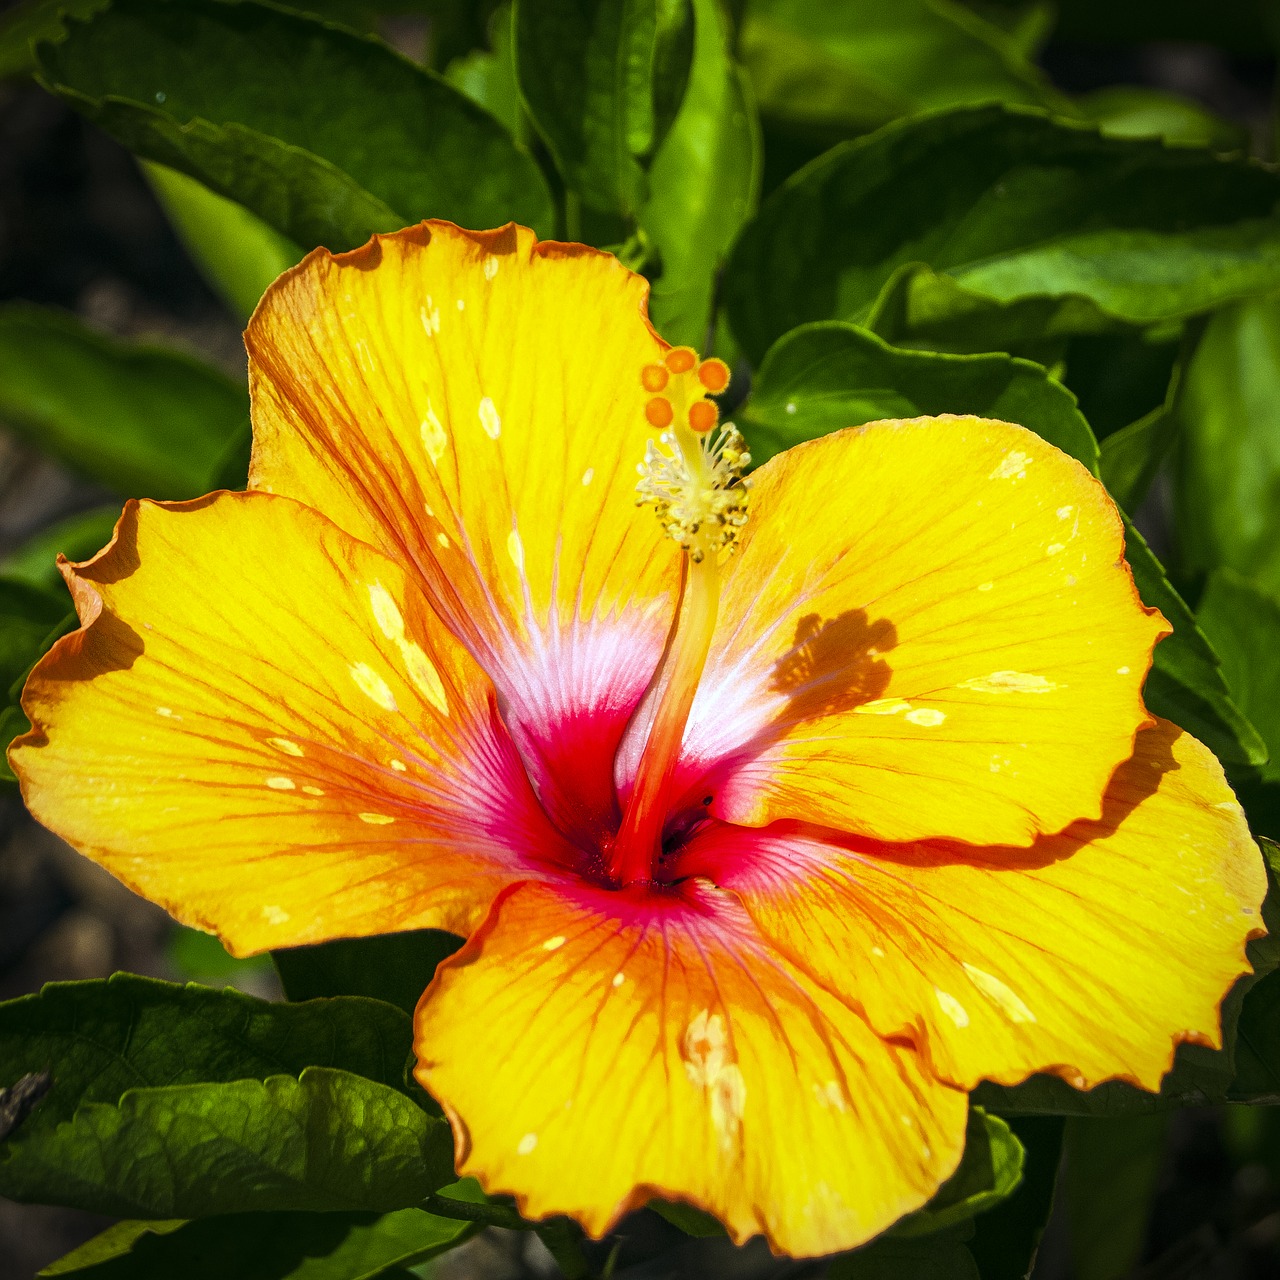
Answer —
774 824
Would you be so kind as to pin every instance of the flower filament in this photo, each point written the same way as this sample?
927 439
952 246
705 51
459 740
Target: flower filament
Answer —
693 477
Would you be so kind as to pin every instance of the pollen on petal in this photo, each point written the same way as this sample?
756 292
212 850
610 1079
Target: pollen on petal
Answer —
703 415
312 791
654 377
283 744
681 359
280 783
377 819
658 412
372 685
714 375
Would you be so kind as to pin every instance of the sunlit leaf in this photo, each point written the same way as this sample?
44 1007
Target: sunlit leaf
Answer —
1133 111
77 537
1025 226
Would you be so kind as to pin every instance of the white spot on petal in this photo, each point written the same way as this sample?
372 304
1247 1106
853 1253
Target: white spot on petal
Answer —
1053 548
554 944
985 586
882 707
515 549
587 476
951 1007
490 266
312 791
280 784
462 306
372 685
999 994
442 540
167 712
926 717
283 744
434 440
274 915
1013 466
1009 682
399 766
530 1140
489 419
705 1048
619 979
1064 513
1122 671
377 819
424 676
386 612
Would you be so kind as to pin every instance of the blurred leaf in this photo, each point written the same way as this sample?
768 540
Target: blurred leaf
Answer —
265 1246
1245 27
395 967
143 420
693 1222
489 76
103 1037
1131 111
77 537
990 1171
1242 623
326 1141
821 377
1111 1171
1120 377
1132 456
1006 1239
326 135
936 1257
200 957
1027 227
704 183
602 80
236 251
1227 489
850 68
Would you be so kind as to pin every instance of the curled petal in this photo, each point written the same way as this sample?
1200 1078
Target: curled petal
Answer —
593 1050
262 726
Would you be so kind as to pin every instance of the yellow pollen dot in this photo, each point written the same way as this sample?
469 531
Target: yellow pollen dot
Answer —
489 419
312 791
372 685
280 784
587 476
283 744
377 819
619 979
554 944
399 766
527 1144
167 712
442 539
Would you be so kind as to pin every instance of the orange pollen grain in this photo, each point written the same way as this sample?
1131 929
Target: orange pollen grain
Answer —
713 374
654 377
703 416
658 412
681 359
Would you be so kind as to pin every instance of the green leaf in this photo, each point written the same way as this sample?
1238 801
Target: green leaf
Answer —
102 1038
395 967
704 184
143 420
1133 111
854 67
602 80
1242 623
326 1141
1026 226
77 537
265 1246
1006 1240
693 1222
936 1257
821 377
235 250
1227 487
1132 456
828 375
488 77
1111 1171
990 1171
326 135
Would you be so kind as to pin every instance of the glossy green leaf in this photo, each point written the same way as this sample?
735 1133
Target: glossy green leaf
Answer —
326 1141
825 376
1131 456
990 1172
1227 487
1007 1239
326 135
936 1257
1026 226
77 537
854 67
1111 1173
265 1246
1133 111
395 967
146 421
704 183
103 1037
235 250
602 81
488 76
1243 624
693 1222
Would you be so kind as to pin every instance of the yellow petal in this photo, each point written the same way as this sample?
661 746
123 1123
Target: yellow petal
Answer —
471 403
930 631
263 727
1091 954
595 1049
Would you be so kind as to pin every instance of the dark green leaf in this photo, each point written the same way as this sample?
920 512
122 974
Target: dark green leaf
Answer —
989 1172
1227 489
145 421
395 967
1006 1239
821 377
704 183
1027 226
937 1257
326 135
1132 456
1110 1173
265 1246
77 537
602 80
104 1037
236 251
693 1222
1131 111
854 67
325 1141
1242 623
489 76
